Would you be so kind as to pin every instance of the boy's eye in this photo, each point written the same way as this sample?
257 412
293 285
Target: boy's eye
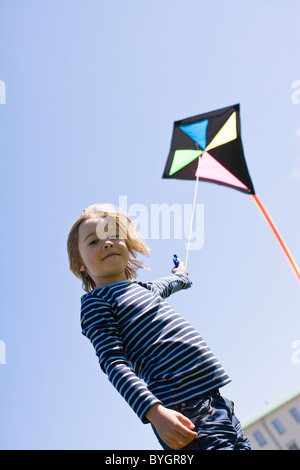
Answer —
93 242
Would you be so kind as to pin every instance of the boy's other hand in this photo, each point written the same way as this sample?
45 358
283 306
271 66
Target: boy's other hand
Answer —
174 428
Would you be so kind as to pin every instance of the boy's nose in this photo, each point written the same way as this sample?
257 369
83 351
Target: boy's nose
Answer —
108 244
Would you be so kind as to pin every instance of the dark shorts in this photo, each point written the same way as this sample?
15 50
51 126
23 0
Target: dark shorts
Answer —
215 422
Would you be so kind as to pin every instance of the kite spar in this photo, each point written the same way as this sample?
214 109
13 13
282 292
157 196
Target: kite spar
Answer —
208 147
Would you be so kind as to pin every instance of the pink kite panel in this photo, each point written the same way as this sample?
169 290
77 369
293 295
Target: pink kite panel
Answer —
210 168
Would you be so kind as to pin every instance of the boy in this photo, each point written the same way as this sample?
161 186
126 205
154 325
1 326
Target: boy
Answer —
158 362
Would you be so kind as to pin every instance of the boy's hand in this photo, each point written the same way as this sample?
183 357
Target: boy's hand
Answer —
174 428
180 267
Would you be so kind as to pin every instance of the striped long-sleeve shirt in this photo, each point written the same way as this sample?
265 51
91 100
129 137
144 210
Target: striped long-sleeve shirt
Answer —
149 352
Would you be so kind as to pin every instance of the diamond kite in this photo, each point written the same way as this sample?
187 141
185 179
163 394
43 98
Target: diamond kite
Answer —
208 147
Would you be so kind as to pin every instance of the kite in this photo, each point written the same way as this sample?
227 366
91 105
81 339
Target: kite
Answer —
208 147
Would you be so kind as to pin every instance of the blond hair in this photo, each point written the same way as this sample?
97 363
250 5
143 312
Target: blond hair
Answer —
124 226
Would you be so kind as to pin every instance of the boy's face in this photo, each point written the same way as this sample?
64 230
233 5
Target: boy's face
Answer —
103 259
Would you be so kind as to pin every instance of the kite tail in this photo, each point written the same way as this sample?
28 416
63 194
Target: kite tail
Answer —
278 236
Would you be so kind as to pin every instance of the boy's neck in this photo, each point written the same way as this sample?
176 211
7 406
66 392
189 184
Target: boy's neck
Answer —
110 280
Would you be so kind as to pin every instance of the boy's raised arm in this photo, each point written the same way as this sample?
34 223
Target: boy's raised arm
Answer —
168 285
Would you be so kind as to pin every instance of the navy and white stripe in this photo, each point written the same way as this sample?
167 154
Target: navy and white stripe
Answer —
149 352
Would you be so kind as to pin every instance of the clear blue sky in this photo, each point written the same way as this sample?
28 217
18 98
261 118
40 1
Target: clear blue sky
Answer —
92 90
